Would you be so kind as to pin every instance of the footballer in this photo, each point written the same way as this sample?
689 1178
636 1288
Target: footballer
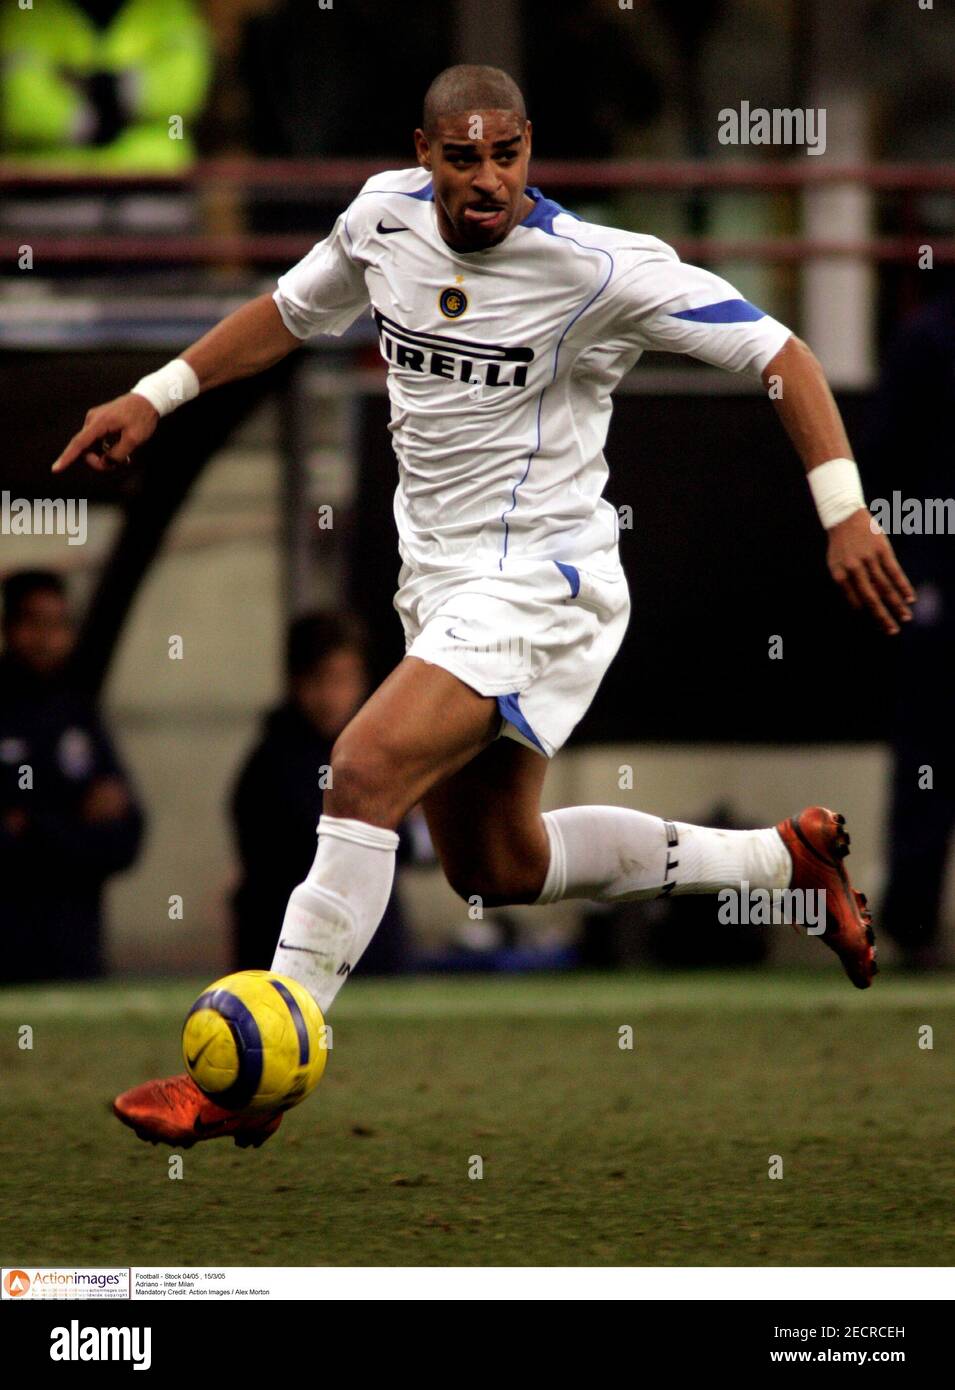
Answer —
505 323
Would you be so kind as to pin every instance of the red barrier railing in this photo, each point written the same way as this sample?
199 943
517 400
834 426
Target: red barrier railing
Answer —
285 248
340 178
762 175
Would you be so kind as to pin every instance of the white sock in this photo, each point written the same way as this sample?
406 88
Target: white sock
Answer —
612 854
333 915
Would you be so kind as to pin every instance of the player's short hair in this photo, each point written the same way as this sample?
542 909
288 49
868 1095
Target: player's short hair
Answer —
468 87
20 586
314 636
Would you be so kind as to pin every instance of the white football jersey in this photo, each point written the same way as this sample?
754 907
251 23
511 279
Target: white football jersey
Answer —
501 363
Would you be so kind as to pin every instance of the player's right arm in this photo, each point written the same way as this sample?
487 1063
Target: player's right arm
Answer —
245 342
324 293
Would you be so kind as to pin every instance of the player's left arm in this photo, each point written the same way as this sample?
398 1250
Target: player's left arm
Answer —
860 556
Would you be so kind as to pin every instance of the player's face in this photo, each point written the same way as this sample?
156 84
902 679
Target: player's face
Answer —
41 635
478 163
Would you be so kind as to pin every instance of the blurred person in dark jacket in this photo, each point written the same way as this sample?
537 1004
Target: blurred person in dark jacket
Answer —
299 66
68 816
913 415
278 796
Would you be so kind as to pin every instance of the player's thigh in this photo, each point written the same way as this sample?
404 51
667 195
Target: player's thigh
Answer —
420 725
485 824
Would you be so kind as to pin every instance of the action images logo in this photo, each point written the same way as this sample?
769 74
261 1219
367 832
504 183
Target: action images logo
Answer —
16 1283
65 1283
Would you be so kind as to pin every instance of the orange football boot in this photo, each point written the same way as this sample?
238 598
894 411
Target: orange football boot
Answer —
818 842
174 1111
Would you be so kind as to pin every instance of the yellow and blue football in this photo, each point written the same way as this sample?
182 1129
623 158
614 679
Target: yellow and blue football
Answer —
255 1041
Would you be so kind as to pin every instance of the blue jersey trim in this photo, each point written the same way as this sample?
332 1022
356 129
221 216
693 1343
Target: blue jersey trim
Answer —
727 311
512 712
571 575
543 212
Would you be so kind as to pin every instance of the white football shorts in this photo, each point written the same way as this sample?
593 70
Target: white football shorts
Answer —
539 637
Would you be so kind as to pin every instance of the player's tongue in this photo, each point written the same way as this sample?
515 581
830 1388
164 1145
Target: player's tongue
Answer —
484 214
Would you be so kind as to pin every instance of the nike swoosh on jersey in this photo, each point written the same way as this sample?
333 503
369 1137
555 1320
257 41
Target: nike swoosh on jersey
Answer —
385 230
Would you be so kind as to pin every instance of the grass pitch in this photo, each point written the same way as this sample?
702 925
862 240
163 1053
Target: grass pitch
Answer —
592 1154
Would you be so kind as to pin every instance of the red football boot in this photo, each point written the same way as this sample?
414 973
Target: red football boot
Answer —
174 1111
818 842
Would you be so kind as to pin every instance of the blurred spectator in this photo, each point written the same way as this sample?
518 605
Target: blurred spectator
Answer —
68 817
278 797
585 48
95 85
908 455
346 80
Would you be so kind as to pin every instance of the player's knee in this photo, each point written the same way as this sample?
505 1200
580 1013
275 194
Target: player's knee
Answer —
506 883
359 783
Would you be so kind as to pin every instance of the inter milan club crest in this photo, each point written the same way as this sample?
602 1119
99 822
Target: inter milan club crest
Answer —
452 303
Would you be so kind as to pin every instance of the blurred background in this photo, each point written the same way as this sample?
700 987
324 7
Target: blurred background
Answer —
183 670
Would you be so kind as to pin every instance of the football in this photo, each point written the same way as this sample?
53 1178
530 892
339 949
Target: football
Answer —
255 1041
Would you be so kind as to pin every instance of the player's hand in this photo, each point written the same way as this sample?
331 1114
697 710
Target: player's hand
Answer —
110 433
863 564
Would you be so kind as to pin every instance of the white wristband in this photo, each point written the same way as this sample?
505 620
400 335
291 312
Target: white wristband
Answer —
836 490
170 387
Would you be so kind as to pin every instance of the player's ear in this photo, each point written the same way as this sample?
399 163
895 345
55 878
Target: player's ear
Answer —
423 149
527 135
